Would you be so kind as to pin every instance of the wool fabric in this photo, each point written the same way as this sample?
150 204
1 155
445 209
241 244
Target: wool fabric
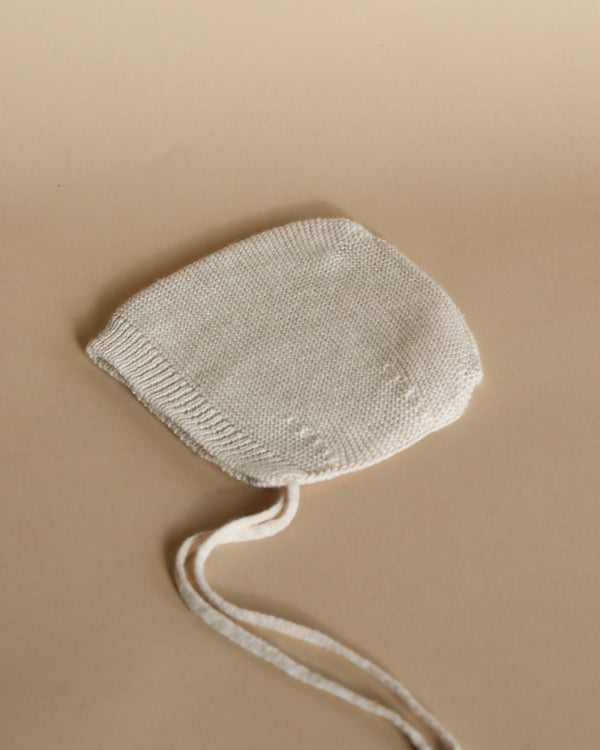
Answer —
298 354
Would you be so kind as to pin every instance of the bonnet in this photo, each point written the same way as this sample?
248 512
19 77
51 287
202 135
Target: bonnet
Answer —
303 352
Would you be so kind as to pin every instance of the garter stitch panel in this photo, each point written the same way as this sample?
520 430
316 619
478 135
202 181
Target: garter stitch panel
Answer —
300 353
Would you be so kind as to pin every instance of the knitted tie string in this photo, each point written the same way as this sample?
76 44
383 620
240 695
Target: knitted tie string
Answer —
220 615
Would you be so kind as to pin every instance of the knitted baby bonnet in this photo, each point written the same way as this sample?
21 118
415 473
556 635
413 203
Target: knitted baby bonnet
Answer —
301 353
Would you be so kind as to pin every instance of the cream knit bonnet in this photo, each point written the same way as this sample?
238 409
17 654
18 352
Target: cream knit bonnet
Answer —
303 352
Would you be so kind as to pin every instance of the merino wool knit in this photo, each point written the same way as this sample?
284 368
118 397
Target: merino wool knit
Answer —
303 352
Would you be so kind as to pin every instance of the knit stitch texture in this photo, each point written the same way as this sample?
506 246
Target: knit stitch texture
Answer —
303 352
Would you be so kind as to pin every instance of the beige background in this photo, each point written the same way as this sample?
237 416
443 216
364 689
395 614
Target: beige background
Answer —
139 136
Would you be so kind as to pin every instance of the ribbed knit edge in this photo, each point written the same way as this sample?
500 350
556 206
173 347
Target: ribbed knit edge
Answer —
125 353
